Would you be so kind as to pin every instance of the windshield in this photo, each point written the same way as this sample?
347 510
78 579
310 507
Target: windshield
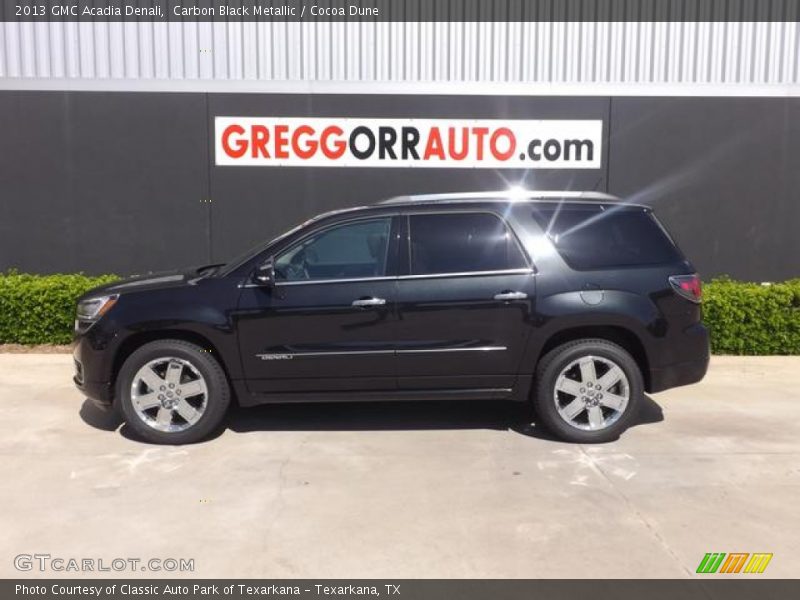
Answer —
258 248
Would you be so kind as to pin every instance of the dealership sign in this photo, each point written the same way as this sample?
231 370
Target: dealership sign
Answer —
443 143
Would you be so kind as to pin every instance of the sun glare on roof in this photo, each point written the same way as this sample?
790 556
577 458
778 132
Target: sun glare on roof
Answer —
516 192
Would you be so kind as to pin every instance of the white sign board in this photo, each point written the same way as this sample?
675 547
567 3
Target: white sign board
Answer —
442 143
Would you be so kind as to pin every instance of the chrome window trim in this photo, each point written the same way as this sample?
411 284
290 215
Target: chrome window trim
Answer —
528 271
323 281
406 213
531 269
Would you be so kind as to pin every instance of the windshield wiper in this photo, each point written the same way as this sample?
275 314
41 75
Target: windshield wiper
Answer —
208 270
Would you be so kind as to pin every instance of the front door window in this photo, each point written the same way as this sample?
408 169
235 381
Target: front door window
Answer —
353 250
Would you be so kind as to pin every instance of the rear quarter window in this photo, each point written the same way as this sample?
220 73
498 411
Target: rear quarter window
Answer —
601 236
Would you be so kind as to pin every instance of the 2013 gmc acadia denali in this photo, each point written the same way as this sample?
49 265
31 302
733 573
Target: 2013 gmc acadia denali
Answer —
575 301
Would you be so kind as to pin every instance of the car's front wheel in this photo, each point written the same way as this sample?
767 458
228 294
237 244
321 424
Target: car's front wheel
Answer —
172 392
588 390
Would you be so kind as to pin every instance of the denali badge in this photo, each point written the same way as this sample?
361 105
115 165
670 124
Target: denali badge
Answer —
275 356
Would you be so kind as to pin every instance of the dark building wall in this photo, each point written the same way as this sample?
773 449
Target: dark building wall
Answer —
721 173
120 182
102 182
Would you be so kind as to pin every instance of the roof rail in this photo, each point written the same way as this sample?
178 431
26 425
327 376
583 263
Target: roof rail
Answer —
504 196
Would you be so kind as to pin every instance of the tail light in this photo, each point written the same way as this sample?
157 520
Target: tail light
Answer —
688 286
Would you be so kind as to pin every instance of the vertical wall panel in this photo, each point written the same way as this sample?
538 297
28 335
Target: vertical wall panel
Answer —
263 51
339 49
41 35
234 55
116 50
161 53
469 53
27 50
294 51
790 57
602 52
250 50
130 34
776 32
219 50
760 54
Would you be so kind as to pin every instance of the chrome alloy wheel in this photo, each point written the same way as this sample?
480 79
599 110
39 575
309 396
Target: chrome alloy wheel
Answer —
169 394
591 393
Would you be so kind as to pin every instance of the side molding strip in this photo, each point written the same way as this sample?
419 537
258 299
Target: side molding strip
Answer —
293 355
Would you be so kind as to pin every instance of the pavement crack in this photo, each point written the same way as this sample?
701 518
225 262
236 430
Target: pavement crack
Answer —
595 466
279 503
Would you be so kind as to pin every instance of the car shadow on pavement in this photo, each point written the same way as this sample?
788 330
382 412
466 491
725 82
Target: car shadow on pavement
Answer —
374 416
650 412
99 418
392 416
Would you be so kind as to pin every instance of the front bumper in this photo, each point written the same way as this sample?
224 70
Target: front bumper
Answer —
99 392
96 391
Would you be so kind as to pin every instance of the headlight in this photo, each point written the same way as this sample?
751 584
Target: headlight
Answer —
92 309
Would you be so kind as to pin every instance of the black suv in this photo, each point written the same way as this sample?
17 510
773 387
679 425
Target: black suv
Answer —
574 300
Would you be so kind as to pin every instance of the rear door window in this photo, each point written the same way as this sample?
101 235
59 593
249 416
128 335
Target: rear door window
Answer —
444 243
600 237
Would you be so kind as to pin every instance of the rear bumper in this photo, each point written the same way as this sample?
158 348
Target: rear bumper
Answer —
687 366
683 373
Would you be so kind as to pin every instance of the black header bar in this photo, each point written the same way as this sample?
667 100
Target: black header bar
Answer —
399 10
704 588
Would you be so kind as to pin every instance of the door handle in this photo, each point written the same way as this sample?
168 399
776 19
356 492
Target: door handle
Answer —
509 295
366 302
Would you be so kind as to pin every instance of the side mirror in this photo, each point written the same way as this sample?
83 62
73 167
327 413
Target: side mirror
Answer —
265 274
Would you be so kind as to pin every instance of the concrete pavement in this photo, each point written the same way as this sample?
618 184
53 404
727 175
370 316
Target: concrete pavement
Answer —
407 490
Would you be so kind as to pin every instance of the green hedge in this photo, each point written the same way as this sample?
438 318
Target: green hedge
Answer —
744 318
751 318
40 309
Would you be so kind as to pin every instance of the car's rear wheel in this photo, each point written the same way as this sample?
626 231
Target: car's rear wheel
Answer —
172 392
588 391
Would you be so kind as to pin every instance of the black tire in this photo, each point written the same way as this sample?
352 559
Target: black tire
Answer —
558 359
216 400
